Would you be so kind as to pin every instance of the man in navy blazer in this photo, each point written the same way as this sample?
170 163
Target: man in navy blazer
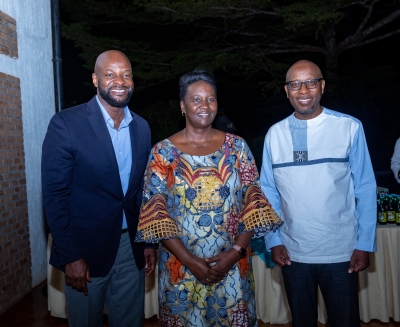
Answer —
93 159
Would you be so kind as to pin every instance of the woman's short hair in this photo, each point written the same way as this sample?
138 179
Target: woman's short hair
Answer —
193 77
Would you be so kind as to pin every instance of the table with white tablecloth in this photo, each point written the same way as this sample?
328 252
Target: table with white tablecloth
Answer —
379 286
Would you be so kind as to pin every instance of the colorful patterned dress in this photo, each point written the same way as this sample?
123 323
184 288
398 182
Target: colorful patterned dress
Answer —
206 201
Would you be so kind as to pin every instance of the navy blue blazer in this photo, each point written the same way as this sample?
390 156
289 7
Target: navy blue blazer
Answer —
82 192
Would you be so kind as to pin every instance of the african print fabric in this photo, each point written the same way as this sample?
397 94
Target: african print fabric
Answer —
206 201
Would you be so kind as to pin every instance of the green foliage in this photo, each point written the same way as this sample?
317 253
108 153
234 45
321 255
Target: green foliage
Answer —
167 38
312 14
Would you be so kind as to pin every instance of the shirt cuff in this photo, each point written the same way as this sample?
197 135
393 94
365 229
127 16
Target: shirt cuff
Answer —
366 246
272 239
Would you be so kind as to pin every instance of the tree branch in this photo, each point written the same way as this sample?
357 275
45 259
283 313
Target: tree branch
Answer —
250 11
361 3
289 47
356 38
366 18
164 8
382 22
247 11
378 38
256 34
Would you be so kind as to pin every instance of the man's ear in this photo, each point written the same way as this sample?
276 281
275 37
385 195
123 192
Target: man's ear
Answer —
95 80
286 90
322 86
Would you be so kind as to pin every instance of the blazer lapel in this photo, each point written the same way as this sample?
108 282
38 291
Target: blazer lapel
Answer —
96 120
133 130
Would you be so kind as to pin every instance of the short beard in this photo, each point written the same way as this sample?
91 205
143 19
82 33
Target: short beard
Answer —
307 111
106 96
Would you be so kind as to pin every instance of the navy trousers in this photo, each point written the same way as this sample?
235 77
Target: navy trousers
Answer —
339 290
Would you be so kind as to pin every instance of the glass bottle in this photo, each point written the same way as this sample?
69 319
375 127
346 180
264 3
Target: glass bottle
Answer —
391 211
382 214
398 211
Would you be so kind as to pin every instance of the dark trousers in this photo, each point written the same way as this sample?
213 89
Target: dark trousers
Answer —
339 290
122 290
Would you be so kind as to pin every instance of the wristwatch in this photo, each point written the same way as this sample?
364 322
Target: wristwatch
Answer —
242 251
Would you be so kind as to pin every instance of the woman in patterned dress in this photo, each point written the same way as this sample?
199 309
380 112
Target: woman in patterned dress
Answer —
202 201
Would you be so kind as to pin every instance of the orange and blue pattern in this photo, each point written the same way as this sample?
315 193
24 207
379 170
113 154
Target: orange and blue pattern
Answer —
206 201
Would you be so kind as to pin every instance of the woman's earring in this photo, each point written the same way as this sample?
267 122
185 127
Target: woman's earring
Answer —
183 114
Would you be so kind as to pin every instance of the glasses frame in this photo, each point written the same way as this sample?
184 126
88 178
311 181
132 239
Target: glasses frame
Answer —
305 83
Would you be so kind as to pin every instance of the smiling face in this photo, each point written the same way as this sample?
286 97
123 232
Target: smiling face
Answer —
200 105
113 79
305 101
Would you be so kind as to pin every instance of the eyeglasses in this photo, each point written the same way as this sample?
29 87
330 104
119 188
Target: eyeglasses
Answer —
310 84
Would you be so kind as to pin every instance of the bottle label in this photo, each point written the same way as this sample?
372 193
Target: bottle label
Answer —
391 216
382 218
397 217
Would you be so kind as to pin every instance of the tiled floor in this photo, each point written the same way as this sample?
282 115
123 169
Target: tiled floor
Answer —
32 311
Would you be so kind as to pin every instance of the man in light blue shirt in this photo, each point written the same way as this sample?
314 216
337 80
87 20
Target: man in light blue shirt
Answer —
93 160
317 174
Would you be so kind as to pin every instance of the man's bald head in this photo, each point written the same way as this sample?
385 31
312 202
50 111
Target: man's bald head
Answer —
107 56
303 65
305 100
113 79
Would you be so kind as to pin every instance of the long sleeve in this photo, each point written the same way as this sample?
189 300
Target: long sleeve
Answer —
395 162
365 192
257 214
139 197
57 175
155 222
269 189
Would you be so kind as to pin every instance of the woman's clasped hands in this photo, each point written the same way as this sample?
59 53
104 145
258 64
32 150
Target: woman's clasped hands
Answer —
204 272
213 270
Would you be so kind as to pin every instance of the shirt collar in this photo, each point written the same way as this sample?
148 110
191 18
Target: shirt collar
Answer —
312 121
107 118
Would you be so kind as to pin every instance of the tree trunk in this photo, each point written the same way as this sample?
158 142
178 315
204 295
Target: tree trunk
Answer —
331 61
331 55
